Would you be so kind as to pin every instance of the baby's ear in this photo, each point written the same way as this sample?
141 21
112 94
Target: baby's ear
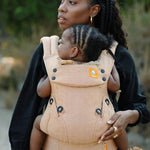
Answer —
74 52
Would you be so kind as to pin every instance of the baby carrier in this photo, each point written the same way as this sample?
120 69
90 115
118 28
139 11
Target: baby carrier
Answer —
79 106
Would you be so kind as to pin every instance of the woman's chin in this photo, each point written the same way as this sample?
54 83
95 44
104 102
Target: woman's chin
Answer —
63 27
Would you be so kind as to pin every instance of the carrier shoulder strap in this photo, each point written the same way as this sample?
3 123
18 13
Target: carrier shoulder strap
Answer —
105 62
50 46
113 47
107 58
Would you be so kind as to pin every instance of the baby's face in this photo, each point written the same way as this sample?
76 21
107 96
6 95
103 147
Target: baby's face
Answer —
64 47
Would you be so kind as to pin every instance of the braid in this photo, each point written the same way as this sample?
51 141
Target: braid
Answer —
84 35
87 33
75 36
110 14
102 23
109 21
106 14
90 41
79 34
116 29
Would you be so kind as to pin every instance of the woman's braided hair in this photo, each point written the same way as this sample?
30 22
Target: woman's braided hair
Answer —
109 21
89 40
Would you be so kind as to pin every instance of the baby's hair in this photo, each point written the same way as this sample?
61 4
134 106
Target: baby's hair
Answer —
90 40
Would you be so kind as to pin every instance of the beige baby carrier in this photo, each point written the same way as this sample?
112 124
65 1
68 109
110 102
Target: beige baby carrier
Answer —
79 106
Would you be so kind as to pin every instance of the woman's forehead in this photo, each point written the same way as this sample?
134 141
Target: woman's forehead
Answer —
86 1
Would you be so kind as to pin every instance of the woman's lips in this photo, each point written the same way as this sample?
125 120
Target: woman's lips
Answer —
61 20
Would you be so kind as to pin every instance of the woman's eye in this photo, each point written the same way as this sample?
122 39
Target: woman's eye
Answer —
72 2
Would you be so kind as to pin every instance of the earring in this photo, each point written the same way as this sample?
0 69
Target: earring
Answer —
91 20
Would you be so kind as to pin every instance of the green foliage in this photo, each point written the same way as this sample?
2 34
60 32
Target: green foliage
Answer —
125 4
19 16
132 2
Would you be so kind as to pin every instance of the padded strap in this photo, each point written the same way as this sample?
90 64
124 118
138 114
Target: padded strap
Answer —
113 50
106 58
113 47
50 46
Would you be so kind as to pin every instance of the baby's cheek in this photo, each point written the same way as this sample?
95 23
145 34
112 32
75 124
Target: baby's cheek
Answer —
59 53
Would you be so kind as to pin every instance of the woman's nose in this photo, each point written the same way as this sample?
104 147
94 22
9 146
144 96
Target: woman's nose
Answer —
63 7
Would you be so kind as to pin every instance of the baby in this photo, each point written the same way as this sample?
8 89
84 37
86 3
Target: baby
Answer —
80 47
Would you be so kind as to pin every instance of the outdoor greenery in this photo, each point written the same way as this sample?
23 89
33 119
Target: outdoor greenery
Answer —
20 16
23 23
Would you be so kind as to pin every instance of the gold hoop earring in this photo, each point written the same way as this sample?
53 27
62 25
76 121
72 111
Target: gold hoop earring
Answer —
91 20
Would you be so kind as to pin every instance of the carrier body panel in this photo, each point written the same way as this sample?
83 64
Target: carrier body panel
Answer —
79 106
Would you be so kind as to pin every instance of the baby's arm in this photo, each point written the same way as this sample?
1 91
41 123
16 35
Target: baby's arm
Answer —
122 141
44 87
114 81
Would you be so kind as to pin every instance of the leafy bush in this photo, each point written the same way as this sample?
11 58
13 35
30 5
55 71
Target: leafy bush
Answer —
130 3
18 16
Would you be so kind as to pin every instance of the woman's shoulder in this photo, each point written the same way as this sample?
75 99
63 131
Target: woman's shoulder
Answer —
39 49
124 59
121 51
38 53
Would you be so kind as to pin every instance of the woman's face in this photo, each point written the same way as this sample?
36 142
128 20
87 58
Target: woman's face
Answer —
73 12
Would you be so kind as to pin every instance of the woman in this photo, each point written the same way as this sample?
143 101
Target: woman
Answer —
131 106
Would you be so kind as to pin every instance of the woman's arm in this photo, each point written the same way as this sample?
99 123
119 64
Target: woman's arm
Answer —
120 120
28 103
132 104
44 88
131 97
114 81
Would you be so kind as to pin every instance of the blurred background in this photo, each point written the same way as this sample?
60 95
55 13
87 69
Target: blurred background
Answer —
23 23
